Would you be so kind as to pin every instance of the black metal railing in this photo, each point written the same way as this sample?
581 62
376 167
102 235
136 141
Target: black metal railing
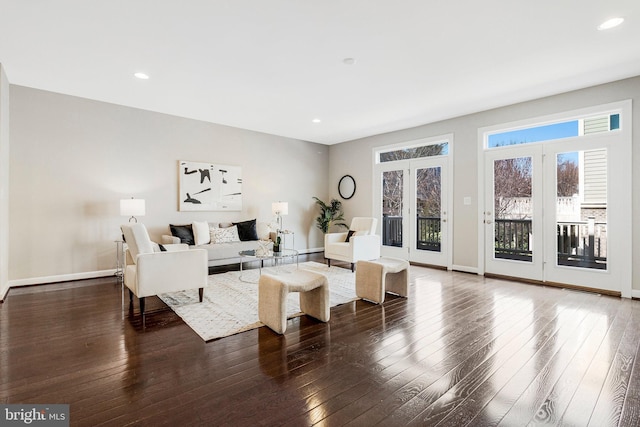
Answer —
392 231
428 232
579 243
582 244
513 239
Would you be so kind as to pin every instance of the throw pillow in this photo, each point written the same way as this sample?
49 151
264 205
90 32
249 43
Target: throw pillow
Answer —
201 235
224 235
183 232
247 230
349 234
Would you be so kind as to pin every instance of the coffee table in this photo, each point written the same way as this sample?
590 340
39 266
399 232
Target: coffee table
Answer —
276 257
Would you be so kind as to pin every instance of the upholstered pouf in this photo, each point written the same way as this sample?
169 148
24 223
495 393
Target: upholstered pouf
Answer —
273 291
374 278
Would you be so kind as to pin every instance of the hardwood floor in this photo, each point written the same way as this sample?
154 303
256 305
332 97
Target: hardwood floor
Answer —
461 350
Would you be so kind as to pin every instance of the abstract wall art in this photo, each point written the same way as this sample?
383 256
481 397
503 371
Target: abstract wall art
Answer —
209 187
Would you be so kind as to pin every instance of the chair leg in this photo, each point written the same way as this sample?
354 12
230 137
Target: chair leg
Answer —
353 267
142 310
328 262
130 300
142 306
201 293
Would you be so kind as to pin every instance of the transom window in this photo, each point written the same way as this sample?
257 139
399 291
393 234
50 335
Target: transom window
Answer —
415 152
553 131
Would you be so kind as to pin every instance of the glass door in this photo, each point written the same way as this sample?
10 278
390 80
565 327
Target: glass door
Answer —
391 196
512 217
555 213
585 227
412 202
429 229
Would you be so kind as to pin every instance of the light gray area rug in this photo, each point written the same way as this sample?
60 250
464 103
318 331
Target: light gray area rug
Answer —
230 305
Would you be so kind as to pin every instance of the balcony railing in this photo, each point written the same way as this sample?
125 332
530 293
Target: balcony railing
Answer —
428 232
579 243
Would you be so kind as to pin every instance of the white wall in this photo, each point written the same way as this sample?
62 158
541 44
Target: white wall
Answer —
356 158
73 159
4 184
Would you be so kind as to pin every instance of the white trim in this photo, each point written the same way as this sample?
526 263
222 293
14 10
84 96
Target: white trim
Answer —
635 293
378 167
623 107
582 113
61 278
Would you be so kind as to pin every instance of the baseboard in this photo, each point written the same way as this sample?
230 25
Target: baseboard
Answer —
91 275
60 278
464 269
310 250
4 295
635 293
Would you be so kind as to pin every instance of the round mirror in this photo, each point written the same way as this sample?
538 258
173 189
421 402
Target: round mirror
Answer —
347 187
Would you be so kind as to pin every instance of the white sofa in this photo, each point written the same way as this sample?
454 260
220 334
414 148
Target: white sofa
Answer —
220 252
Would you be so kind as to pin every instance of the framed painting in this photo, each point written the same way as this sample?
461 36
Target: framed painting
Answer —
209 187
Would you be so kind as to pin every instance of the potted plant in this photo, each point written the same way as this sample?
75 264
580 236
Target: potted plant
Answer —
276 245
329 215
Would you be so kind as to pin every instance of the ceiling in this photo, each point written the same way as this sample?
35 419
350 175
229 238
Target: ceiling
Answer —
275 65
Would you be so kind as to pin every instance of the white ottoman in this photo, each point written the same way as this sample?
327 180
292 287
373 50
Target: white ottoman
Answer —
374 278
273 291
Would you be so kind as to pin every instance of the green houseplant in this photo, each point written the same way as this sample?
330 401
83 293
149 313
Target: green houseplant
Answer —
329 215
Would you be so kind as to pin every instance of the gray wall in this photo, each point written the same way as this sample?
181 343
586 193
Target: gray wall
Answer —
356 158
73 159
4 183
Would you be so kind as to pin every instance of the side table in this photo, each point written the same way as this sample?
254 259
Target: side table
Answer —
119 260
286 233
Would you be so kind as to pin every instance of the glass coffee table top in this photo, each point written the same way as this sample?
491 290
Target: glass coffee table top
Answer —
269 254
277 257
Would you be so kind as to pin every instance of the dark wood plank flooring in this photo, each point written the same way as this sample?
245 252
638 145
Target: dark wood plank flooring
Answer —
461 350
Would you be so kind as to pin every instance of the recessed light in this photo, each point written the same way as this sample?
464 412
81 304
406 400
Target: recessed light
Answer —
141 76
610 23
349 61
316 120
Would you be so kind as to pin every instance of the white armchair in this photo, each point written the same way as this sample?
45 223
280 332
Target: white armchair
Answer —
149 271
363 244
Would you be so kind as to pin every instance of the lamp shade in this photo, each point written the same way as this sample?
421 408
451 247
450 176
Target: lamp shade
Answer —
280 208
132 207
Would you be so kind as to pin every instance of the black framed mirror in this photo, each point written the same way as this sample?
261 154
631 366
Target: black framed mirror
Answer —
347 187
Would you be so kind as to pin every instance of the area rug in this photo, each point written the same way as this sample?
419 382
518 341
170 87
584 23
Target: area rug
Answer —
230 305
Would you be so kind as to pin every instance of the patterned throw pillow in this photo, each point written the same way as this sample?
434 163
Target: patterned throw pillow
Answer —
224 235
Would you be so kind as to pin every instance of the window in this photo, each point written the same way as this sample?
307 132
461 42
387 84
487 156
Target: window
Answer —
417 152
553 131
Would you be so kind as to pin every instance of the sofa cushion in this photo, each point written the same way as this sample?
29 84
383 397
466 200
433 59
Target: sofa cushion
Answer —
201 234
224 235
184 232
247 230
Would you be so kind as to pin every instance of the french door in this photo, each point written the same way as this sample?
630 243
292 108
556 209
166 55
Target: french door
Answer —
512 216
413 209
556 212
